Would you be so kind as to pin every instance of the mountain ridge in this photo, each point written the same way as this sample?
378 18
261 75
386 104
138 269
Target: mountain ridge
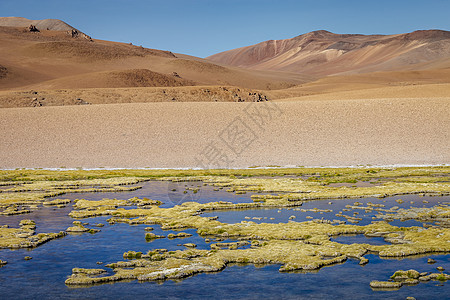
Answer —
324 53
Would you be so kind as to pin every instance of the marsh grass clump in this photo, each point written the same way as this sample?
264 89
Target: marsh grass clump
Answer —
178 235
442 277
14 209
132 255
88 271
410 277
375 284
57 202
438 214
77 227
25 237
149 236
403 275
87 208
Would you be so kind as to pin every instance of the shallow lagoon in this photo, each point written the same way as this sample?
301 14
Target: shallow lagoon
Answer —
43 277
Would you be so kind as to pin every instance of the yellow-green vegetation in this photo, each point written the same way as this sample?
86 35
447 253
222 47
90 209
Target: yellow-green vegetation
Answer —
410 277
35 191
25 237
293 245
151 236
31 187
57 202
440 215
327 175
178 235
14 210
131 255
86 208
296 246
88 271
375 284
78 227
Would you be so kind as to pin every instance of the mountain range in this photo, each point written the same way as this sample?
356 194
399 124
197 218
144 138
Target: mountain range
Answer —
61 60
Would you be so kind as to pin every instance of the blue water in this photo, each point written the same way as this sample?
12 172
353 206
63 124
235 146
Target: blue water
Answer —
359 239
43 277
282 215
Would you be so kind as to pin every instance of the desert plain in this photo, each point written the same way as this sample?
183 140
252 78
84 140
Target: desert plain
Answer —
68 100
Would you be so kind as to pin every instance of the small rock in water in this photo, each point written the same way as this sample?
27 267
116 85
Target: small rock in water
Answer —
440 268
431 261
410 298
27 257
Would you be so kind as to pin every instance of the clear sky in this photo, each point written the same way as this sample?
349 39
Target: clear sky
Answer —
205 27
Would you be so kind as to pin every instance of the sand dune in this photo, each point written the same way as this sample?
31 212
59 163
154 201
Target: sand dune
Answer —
168 135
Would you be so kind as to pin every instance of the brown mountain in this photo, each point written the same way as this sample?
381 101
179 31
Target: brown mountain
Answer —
56 67
47 24
55 58
322 53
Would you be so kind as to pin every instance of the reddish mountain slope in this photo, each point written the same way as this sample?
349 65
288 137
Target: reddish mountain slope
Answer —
323 53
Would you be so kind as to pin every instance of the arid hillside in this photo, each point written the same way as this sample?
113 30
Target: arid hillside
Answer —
321 53
56 64
58 56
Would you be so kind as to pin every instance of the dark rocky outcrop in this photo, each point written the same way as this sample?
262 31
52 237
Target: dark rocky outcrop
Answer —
32 28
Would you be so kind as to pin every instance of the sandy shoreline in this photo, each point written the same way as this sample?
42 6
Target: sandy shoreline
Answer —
216 135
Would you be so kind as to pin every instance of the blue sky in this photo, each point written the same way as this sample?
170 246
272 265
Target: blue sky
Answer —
205 27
